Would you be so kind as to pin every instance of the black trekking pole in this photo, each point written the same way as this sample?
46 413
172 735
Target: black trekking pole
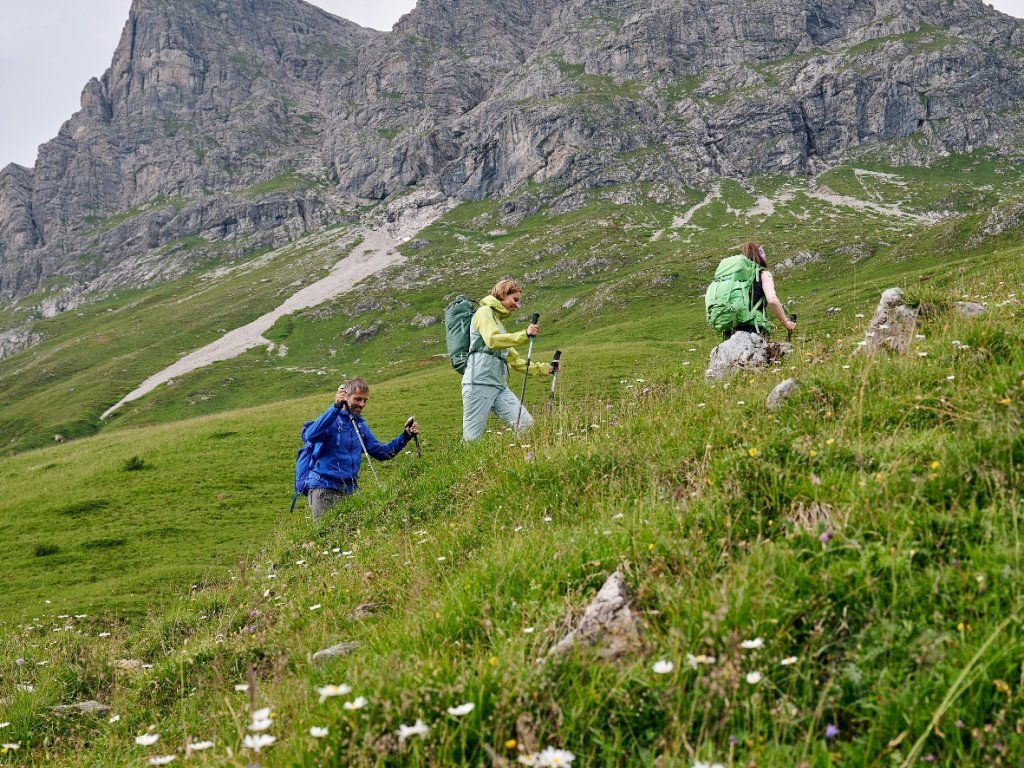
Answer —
366 453
554 378
789 334
416 438
529 354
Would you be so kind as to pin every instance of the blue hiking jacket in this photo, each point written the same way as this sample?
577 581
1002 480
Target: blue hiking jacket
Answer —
339 455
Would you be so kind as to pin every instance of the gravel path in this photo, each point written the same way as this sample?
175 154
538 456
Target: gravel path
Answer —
377 251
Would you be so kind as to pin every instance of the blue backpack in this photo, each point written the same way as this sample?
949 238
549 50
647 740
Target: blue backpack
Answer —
305 460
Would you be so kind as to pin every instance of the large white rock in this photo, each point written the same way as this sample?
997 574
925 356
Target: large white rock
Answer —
892 326
744 351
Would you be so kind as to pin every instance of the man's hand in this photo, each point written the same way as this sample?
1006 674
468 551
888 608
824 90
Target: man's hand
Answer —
411 427
341 398
533 329
790 325
554 368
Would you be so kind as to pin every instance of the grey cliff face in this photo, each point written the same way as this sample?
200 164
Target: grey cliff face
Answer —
246 123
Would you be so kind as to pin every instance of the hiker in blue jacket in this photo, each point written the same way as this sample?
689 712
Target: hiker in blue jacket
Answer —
339 452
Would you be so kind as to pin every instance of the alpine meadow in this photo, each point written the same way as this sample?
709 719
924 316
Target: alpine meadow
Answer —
669 568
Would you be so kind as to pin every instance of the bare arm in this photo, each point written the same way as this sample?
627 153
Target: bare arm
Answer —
768 285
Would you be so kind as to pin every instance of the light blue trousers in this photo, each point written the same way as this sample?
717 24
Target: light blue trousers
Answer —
479 400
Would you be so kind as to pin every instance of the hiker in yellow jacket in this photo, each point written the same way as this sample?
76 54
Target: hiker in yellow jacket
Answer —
491 354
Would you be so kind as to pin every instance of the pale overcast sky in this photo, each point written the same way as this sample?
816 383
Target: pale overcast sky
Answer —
50 48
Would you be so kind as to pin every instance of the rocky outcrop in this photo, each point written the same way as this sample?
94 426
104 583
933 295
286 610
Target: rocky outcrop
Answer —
891 328
744 351
246 123
797 260
609 623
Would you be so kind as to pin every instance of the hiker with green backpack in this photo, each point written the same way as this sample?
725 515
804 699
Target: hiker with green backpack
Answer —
485 357
742 290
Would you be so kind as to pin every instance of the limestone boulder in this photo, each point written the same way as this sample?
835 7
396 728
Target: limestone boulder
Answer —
744 351
892 325
609 623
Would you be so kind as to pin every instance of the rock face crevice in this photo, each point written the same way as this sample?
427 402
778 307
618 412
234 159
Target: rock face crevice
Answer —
235 119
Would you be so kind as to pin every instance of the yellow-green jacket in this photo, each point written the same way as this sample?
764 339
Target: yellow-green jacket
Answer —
490 367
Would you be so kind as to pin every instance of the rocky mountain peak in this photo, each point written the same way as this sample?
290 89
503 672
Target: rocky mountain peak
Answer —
234 124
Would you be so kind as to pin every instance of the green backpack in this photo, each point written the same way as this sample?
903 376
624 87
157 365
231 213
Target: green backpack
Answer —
728 298
458 317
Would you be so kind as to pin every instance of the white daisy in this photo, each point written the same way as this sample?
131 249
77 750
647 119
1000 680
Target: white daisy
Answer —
147 739
258 742
753 678
663 667
750 645
114 719
788 660
199 746
696 661
462 709
418 729
358 703
554 758
162 759
317 733
261 714
260 725
242 687
329 691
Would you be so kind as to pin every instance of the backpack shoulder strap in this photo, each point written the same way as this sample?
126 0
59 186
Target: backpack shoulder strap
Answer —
479 345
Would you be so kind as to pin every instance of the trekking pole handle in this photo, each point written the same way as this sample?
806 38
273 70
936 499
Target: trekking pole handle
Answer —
534 319
415 438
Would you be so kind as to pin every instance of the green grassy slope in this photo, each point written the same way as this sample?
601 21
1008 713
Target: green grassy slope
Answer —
94 356
617 255
869 529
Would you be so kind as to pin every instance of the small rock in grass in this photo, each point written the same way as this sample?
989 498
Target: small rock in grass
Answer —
85 707
969 308
781 394
341 649
609 622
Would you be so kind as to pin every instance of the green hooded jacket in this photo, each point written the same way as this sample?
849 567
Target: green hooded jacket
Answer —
491 369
